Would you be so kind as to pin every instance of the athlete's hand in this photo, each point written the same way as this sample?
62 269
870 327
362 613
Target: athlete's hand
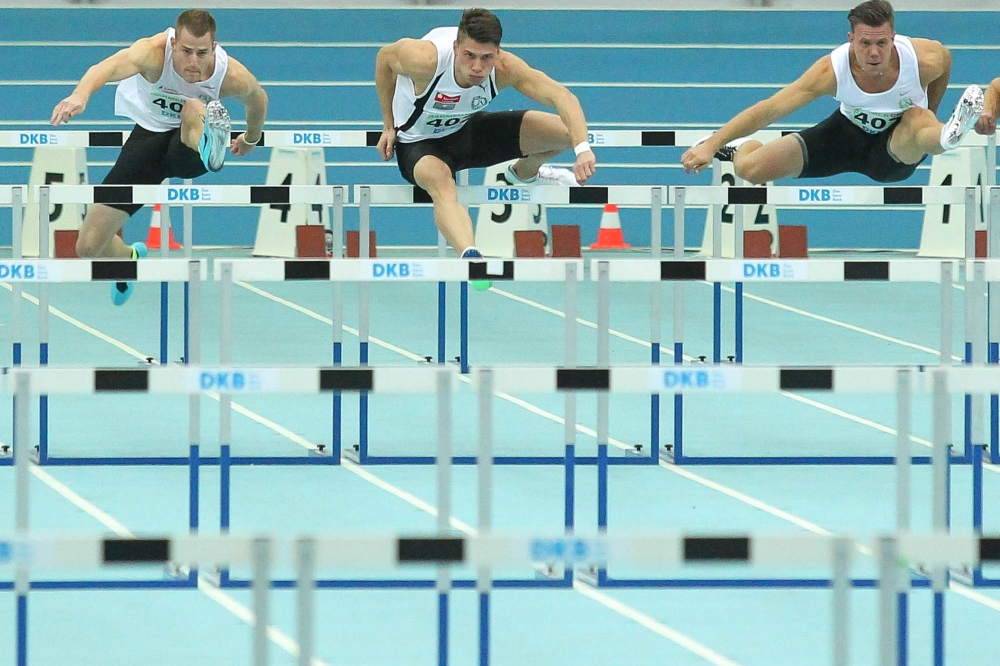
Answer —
697 157
586 165
240 147
66 109
387 143
987 123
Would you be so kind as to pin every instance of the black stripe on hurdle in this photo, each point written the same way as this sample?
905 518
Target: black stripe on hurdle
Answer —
112 194
806 379
261 143
477 271
662 138
866 270
430 550
105 139
716 549
583 379
135 551
787 132
264 194
421 196
682 270
588 195
346 379
307 269
114 379
902 195
371 138
747 195
989 549
113 270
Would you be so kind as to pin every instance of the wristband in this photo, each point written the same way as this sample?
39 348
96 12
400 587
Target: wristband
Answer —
581 147
252 143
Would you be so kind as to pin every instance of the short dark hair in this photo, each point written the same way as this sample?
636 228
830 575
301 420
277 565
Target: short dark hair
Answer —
197 22
481 25
873 13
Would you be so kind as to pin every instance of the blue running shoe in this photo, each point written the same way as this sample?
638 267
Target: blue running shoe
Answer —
478 285
215 140
122 291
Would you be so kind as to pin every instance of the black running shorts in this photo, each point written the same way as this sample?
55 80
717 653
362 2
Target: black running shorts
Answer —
147 158
837 145
486 139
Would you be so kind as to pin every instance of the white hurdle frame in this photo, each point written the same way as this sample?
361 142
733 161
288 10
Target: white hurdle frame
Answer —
489 551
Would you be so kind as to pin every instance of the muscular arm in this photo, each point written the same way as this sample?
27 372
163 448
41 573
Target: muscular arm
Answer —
242 85
817 81
934 61
536 85
413 58
145 55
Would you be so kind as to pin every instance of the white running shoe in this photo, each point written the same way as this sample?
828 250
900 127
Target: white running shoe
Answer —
550 175
215 140
963 118
547 175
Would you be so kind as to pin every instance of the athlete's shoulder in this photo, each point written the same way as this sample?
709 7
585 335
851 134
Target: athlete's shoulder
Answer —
933 57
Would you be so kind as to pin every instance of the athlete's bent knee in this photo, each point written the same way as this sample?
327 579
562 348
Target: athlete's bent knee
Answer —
752 173
87 246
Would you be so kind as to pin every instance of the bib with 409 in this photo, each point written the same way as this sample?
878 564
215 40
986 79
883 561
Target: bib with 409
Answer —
873 123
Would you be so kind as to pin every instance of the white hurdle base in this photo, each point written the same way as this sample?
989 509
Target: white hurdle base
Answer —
943 233
277 222
496 224
755 218
53 165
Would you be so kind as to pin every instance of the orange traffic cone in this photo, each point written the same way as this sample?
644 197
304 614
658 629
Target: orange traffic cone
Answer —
609 236
153 238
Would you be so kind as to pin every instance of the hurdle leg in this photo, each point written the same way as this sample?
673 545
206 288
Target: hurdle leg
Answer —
164 289
17 212
194 400
464 327
603 356
679 197
43 325
569 401
484 473
656 317
443 464
22 453
337 321
225 404
364 321
978 451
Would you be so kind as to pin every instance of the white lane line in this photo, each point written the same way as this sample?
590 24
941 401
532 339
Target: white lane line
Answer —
656 627
278 637
835 322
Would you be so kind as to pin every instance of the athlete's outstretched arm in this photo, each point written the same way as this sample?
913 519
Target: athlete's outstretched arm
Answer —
123 64
817 81
987 123
243 85
413 58
536 85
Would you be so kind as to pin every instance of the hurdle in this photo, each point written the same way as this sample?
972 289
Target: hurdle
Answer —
983 347
486 551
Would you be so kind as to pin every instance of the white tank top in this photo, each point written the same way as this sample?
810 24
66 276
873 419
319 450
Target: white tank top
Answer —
444 107
876 112
157 106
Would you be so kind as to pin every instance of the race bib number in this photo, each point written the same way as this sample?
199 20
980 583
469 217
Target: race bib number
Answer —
440 123
170 105
872 122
